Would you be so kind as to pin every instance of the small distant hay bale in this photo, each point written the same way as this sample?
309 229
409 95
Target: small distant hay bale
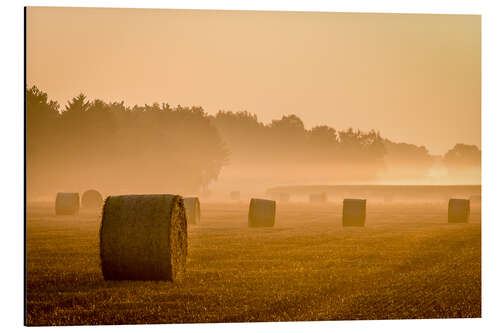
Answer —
354 213
91 199
192 207
274 196
284 197
318 197
261 213
458 211
234 195
388 197
475 199
280 196
143 237
67 203
206 193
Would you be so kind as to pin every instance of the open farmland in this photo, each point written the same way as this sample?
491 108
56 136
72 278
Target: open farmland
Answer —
408 262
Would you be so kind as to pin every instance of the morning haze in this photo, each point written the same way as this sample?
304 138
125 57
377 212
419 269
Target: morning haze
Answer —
251 166
414 78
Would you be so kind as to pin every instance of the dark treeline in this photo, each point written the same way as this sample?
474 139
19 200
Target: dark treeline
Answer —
287 140
407 161
109 145
286 143
158 148
462 160
357 156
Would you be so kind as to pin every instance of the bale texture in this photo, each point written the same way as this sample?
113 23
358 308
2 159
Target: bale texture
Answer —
192 207
261 213
318 197
354 213
91 199
67 203
234 195
143 237
458 211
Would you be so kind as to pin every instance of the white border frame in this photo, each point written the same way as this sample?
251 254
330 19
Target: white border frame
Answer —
13 167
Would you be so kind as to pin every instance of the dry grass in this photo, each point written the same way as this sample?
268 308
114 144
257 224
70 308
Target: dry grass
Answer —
408 262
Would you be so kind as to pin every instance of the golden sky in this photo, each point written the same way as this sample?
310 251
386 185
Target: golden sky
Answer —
416 78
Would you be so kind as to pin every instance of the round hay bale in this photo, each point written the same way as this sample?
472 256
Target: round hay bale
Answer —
67 203
458 211
143 237
234 195
91 199
192 207
318 197
354 212
261 213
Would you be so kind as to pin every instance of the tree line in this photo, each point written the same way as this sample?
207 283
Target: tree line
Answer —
95 143
111 145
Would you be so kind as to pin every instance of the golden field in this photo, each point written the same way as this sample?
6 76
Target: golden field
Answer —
408 262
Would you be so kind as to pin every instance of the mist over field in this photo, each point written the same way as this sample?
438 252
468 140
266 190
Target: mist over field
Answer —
158 148
256 99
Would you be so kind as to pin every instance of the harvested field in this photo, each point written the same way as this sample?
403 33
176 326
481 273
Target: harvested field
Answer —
408 262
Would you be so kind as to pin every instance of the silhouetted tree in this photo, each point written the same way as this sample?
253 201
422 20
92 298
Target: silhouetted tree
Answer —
41 115
463 156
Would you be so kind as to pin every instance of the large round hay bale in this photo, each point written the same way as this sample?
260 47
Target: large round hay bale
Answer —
458 211
91 199
234 195
67 203
192 207
318 197
143 237
354 213
261 213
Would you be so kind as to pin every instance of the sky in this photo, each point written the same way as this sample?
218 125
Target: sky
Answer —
416 78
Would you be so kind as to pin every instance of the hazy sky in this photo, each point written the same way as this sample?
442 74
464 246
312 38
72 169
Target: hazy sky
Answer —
416 78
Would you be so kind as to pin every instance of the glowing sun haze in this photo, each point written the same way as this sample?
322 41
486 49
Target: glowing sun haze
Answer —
416 78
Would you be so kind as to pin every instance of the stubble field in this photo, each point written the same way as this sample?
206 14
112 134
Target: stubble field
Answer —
408 262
